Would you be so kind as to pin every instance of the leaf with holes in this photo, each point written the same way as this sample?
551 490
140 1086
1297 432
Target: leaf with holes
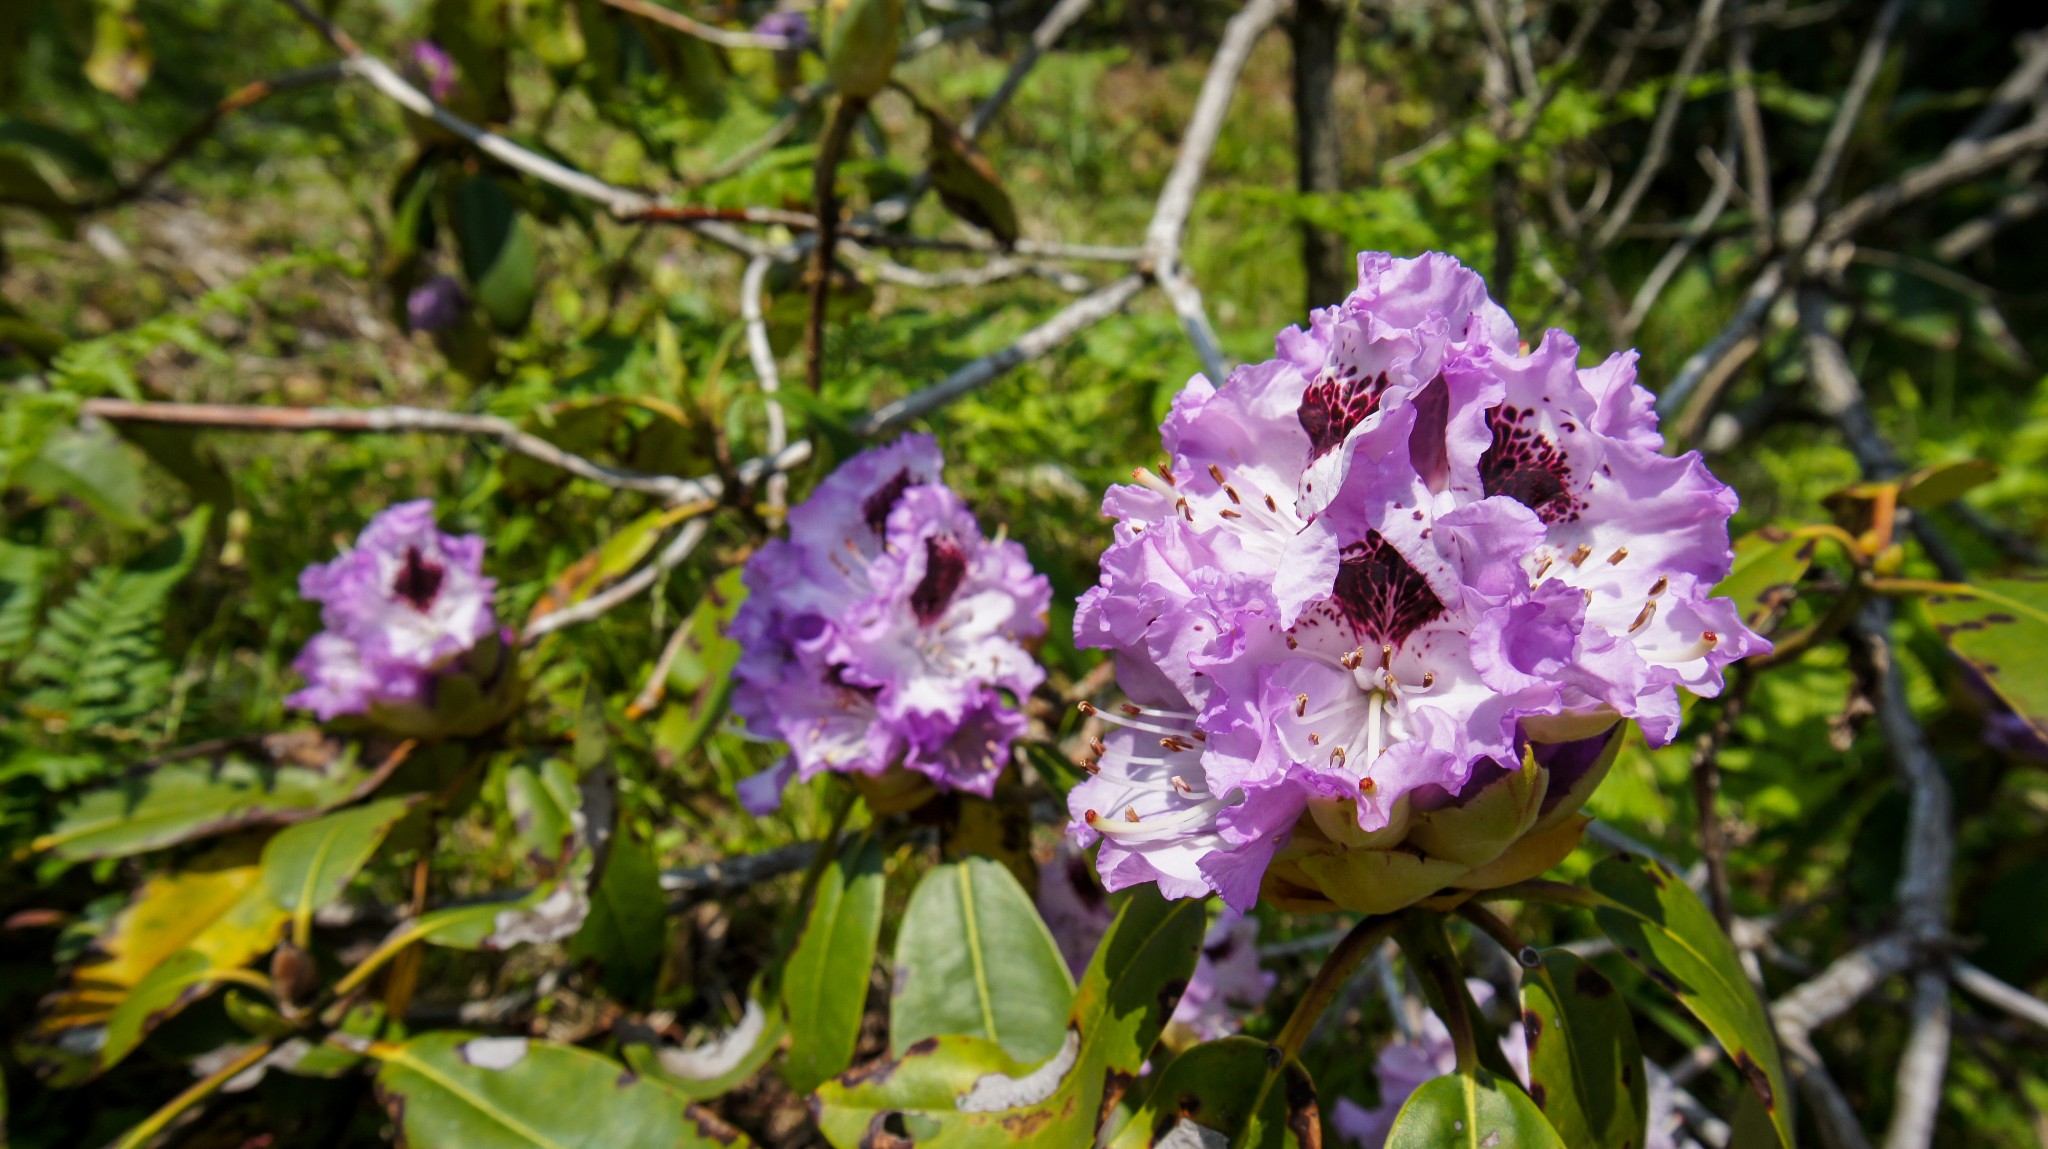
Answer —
1205 1097
973 957
449 1089
1472 1112
825 983
1585 1069
1999 628
966 1093
1664 928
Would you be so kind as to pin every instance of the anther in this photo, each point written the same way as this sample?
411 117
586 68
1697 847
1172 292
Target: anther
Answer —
1131 708
1166 473
1642 620
1091 765
1292 644
1099 746
1230 514
1545 568
1579 556
1659 586
1232 492
1086 707
1619 554
1215 472
1271 505
1130 813
1180 784
1428 679
1337 756
1314 739
1301 706
1182 507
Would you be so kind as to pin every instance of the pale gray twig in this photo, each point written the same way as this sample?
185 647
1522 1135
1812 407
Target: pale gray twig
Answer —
1047 33
1681 248
1659 145
1994 992
765 371
624 590
1923 1065
723 37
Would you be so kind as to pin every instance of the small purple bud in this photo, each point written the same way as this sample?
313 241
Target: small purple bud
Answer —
794 27
438 68
436 305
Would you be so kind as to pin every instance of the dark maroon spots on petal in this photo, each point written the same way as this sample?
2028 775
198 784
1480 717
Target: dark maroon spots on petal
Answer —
877 506
945 565
1333 405
1383 597
418 581
835 675
1528 468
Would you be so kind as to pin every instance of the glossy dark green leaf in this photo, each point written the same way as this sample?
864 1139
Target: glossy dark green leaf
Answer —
180 801
306 867
455 1089
2000 628
973 957
1585 1068
1664 927
1939 483
1472 1112
966 1093
626 933
1212 1087
825 983
498 252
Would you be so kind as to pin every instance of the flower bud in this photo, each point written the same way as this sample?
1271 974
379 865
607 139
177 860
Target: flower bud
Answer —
864 38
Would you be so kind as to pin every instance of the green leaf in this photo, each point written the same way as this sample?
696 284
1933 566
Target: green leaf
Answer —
22 574
1999 627
307 866
1471 1112
973 957
120 60
967 184
180 801
95 468
455 1089
1585 1069
1767 565
861 46
703 666
962 1092
1664 928
1213 1086
825 983
498 252
1939 483
720 1065
626 933
543 802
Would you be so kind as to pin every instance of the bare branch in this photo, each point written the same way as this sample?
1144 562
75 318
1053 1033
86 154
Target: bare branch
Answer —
1702 364
1176 201
1961 162
1069 321
1675 256
1047 34
2018 90
723 37
1800 217
1749 122
624 590
765 372
1846 981
1922 1065
386 420
1659 145
1994 992
1967 238
732 875
1840 1128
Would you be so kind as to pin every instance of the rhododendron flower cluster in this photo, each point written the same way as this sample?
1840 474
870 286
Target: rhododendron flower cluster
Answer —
400 612
886 632
1227 981
1397 564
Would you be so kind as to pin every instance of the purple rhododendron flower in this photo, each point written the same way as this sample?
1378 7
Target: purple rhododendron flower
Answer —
885 631
1227 980
1380 565
794 27
436 305
1403 1067
438 68
399 606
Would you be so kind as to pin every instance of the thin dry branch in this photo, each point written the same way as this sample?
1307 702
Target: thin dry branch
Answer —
1998 994
1659 145
626 589
388 420
1043 37
723 37
1922 1065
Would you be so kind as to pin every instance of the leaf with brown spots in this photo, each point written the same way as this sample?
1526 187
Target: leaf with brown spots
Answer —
1214 1084
542 1096
1999 627
1585 1068
1665 929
